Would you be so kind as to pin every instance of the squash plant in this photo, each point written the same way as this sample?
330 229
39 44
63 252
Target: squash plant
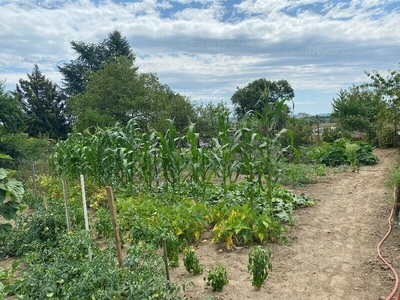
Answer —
11 193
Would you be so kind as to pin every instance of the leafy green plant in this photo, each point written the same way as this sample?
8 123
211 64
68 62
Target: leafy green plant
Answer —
244 225
191 261
259 265
217 278
299 174
103 223
11 193
351 151
63 271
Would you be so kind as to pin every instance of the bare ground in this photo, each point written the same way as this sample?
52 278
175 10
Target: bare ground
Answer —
332 254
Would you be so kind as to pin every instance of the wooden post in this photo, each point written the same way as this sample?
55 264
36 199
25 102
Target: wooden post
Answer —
85 213
64 185
113 214
35 195
165 256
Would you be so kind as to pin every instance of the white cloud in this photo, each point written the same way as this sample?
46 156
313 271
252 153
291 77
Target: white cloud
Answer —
191 49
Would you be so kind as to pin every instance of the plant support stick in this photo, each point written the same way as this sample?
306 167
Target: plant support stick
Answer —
85 213
113 213
64 185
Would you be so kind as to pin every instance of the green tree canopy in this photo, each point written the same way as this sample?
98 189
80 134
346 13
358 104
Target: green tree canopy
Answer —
44 106
118 92
389 88
11 112
207 119
358 109
252 97
91 57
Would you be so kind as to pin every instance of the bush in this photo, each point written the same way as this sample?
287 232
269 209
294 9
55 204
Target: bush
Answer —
24 151
330 135
334 154
386 137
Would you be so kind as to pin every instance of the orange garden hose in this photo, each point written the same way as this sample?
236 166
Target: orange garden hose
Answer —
382 259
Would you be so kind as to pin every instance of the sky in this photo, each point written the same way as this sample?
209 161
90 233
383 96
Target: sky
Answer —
206 49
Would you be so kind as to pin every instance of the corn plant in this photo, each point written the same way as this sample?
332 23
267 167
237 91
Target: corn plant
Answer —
225 165
259 265
200 165
172 157
271 150
249 140
149 159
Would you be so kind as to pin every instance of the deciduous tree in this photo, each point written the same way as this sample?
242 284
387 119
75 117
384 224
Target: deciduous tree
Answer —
251 97
91 58
357 109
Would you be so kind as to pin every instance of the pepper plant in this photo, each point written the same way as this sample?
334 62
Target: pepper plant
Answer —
259 265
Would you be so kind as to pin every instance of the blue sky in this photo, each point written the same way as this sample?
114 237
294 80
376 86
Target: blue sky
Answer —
205 49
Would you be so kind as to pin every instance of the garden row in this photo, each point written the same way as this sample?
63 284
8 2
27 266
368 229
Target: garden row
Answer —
167 188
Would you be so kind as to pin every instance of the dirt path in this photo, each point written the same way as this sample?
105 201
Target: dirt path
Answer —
333 251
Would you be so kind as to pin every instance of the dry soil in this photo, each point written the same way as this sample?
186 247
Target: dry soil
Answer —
332 254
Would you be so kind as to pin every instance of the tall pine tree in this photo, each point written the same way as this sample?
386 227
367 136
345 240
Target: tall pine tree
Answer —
44 105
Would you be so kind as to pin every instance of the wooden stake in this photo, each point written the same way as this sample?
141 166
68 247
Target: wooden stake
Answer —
165 256
85 213
113 214
64 185
35 195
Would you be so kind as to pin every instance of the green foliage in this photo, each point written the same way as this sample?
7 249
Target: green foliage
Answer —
64 272
330 135
118 92
393 180
43 104
335 154
389 90
191 261
12 118
91 58
259 265
207 119
247 99
217 278
244 225
386 137
351 151
11 193
103 224
357 109
302 132
149 219
24 150
296 174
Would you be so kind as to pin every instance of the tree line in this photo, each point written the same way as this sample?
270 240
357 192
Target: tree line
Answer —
102 86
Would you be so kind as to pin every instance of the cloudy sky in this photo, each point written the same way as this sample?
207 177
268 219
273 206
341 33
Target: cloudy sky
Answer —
205 49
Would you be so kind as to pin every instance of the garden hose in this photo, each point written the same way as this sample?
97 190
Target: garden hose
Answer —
382 259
